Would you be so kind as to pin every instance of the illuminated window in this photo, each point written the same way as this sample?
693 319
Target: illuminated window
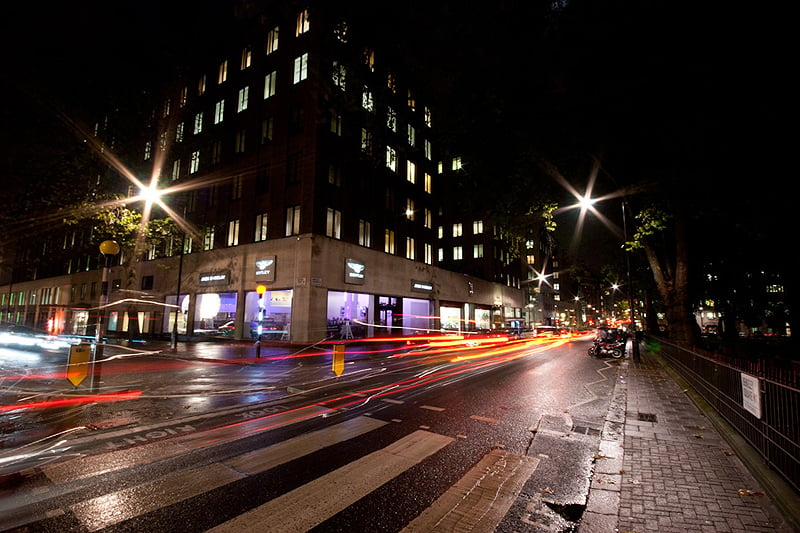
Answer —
222 73
364 233
179 132
201 85
428 218
247 57
366 100
412 103
272 40
410 249
261 227
208 239
477 227
233 233
183 97
428 151
269 84
292 220
411 172
409 209
388 241
219 111
456 163
412 136
176 169
428 183
428 259
391 159
477 251
300 68
339 75
303 24
458 252
369 59
427 117
244 94
391 119
333 224
391 83
166 109
148 150
195 162
340 31
198 123
458 230
366 141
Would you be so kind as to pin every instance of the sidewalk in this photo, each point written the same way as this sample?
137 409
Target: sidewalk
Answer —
664 466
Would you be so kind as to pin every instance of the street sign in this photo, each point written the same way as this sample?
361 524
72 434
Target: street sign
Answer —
338 359
78 363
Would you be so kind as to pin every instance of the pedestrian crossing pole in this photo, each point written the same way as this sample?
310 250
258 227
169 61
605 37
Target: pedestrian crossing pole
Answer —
260 289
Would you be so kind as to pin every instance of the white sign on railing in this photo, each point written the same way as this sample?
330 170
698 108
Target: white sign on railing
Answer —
751 394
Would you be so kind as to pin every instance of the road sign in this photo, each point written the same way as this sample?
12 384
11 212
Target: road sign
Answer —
338 359
78 363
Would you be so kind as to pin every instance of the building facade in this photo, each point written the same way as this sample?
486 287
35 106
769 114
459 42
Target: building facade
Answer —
308 181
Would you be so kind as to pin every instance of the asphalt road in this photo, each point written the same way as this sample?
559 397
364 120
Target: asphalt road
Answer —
229 443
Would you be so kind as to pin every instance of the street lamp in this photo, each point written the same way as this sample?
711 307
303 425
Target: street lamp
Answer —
109 249
635 339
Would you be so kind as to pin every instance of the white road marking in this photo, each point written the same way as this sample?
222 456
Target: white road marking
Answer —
115 507
314 502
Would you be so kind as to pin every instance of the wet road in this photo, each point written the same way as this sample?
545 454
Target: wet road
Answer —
213 439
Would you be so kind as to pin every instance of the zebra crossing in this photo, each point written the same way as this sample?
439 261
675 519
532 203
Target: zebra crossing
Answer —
479 498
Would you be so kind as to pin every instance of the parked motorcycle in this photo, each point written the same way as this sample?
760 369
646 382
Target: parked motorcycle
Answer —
600 348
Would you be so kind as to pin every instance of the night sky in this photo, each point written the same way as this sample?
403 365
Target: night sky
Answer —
657 89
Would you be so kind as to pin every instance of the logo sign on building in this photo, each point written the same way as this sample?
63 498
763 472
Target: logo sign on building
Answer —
215 278
421 286
354 271
265 269
751 394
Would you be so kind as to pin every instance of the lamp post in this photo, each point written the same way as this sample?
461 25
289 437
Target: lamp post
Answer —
634 340
109 249
260 289
178 310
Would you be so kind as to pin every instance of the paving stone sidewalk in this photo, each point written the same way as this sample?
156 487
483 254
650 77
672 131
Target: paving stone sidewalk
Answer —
676 473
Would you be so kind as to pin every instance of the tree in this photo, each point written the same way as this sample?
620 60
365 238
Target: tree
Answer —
113 220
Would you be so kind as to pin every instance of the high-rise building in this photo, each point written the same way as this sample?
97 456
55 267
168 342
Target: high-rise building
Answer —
309 175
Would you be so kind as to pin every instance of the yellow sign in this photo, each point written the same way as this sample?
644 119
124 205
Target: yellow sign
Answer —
338 359
78 363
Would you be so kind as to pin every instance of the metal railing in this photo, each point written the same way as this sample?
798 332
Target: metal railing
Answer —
775 433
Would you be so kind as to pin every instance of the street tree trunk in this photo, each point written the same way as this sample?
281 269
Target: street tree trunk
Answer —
672 283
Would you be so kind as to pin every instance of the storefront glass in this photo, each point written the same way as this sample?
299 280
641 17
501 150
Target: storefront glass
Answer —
277 317
483 319
169 316
214 312
450 317
348 314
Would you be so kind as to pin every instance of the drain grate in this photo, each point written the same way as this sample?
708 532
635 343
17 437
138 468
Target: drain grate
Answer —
647 417
584 430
